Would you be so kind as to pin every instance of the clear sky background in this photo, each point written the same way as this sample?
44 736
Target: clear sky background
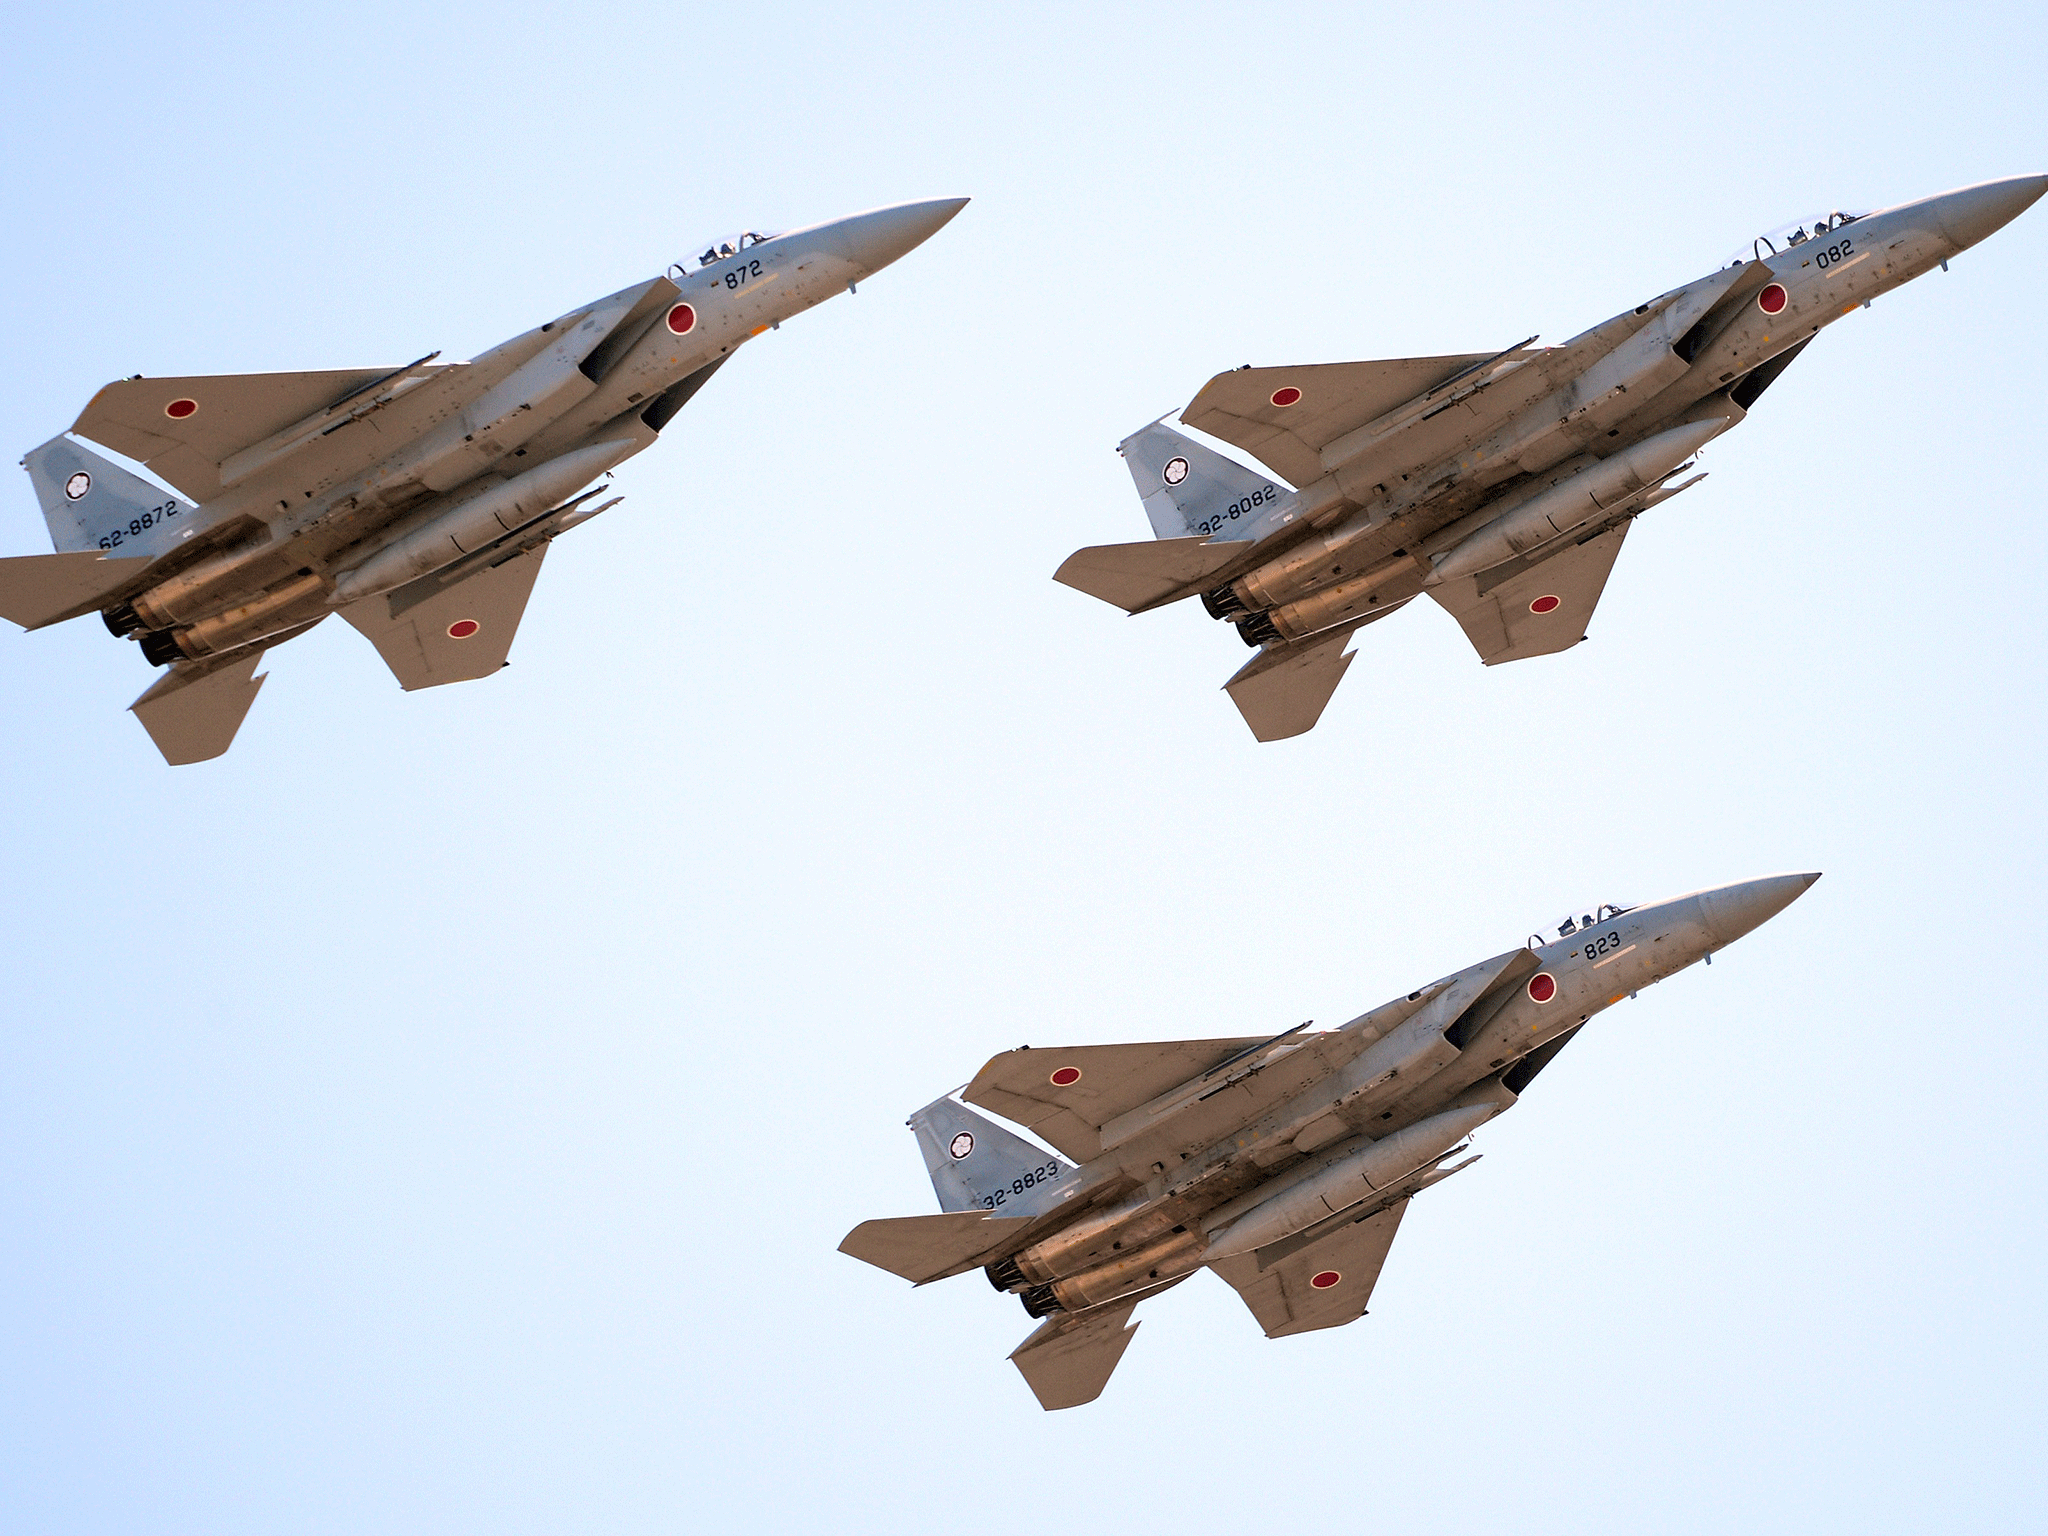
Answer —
439 1114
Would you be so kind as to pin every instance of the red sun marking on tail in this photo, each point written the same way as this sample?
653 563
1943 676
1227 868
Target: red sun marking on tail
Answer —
1772 300
180 408
1286 397
1065 1077
1544 604
1323 1280
1543 986
462 629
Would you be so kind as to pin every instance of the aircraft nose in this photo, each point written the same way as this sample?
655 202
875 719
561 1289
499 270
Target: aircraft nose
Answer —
1968 215
872 240
1733 910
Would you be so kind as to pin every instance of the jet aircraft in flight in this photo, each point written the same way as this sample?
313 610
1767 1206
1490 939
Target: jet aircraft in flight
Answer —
1284 1164
416 502
1500 483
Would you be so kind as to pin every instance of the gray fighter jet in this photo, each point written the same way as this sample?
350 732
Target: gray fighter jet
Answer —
417 502
1503 483
1284 1164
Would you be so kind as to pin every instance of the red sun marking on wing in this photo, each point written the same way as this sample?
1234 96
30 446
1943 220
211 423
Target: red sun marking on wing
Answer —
1324 1279
1065 1077
1286 397
1544 604
462 629
179 409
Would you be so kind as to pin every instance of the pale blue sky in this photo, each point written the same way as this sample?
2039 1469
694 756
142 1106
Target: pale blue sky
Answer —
439 1114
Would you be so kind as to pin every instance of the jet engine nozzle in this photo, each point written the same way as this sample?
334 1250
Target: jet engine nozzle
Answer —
160 648
1258 630
1004 1275
1039 1301
1223 602
121 620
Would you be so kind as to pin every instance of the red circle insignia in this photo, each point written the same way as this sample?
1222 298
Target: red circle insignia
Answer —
1066 1077
462 629
1286 397
179 409
1772 300
682 319
1543 986
1547 603
1323 1280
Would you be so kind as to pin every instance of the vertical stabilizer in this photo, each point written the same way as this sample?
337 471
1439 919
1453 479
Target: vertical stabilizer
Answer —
976 1165
1191 490
90 502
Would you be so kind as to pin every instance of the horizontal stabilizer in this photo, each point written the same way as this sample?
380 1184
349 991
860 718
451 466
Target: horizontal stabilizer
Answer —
1283 691
1068 1360
193 711
1137 576
46 589
926 1248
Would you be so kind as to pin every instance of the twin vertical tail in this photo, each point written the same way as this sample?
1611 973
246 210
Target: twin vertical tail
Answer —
1191 490
90 502
1202 507
976 1165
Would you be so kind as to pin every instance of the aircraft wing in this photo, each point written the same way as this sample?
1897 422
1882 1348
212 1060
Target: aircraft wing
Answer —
1279 1282
1332 399
431 635
1033 1088
1538 609
183 428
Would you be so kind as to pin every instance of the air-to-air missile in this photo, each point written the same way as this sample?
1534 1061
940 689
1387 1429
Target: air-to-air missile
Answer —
1499 483
1283 1164
417 502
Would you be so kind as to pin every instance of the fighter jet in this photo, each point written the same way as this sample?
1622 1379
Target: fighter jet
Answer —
1282 1164
1500 483
416 502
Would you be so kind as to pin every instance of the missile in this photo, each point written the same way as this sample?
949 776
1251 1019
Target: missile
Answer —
1342 1184
480 520
1575 501
579 514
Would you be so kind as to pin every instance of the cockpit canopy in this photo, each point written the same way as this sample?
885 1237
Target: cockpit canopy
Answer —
1593 919
732 245
1773 241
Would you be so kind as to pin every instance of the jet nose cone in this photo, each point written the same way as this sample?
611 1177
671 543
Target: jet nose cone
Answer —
1968 215
1733 910
872 240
